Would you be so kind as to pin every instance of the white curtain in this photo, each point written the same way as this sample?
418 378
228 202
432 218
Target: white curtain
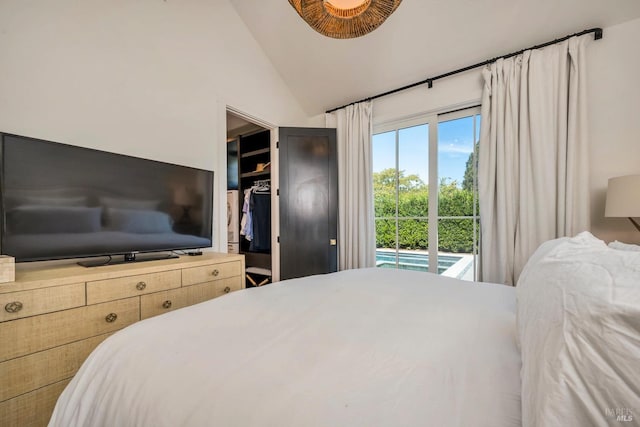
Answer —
533 166
356 226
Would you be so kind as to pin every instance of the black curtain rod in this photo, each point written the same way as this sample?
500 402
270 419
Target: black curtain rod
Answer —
597 35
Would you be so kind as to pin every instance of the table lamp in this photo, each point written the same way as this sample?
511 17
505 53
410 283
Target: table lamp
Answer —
623 198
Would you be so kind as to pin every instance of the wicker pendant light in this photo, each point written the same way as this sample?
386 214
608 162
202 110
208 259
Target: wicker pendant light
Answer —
344 19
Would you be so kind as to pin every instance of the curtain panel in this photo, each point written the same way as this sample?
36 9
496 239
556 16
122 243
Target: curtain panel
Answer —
533 166
356 224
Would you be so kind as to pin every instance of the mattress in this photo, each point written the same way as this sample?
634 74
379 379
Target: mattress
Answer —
369 347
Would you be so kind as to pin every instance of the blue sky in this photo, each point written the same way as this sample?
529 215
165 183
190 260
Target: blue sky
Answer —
455 143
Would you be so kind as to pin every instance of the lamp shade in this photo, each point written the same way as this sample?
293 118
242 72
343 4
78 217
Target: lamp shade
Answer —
182 197
344 19
623 197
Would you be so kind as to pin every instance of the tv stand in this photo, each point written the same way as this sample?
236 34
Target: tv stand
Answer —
68 310
128 258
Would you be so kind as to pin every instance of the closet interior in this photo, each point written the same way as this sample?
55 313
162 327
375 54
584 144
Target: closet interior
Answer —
249 197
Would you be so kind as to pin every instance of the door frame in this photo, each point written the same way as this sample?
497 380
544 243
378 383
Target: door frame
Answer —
222 184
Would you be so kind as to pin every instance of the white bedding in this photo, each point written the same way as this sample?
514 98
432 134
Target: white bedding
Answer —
372 347
579 329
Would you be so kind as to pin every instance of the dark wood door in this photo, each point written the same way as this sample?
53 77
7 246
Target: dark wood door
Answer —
308 202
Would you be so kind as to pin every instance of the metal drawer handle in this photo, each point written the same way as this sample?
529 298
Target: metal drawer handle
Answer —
215 272
13 307
111 317
140 286
227 290
166 304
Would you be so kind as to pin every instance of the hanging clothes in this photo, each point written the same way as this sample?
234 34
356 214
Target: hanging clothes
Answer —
255 225
260 207
246 224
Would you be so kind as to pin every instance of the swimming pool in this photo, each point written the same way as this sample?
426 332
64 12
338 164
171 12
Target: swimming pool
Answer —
413 260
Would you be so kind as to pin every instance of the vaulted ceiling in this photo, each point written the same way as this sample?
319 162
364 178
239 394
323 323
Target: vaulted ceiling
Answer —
421 39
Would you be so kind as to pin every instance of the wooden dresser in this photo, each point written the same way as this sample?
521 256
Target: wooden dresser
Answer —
52 318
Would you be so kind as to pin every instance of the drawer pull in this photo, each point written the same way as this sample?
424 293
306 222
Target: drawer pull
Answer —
111 317
215 272
166 304
13 307
227 290
140 286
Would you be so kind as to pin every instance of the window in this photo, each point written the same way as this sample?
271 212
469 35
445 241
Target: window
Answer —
425 191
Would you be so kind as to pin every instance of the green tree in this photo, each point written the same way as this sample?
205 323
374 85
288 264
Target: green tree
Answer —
467 181
386 180
453 200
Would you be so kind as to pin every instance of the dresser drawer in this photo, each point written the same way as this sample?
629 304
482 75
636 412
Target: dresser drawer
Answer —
209 290
32 409
162 302
37 333
203 292
228 285
124 287
16 305
207 273
37 370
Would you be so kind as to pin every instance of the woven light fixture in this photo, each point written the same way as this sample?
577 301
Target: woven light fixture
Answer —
344 19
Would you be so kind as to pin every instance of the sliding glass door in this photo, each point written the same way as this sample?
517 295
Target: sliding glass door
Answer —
425 190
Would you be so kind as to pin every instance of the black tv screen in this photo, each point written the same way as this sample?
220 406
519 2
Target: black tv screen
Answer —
63 201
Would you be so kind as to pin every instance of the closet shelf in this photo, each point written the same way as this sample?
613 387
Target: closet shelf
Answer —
254 174
255 153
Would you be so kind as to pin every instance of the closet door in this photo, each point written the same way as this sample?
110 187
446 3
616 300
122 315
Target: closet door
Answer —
308 202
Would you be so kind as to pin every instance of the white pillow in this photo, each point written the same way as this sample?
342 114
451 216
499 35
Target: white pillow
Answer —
624 246
579 330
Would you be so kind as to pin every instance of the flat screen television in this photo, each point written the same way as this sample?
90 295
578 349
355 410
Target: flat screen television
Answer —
62 201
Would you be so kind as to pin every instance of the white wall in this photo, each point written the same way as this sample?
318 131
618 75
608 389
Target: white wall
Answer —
148 78
462 90
614 115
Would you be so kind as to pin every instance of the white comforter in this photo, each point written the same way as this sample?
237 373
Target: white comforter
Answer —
372 347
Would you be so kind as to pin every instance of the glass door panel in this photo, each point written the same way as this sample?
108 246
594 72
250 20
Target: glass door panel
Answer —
457 196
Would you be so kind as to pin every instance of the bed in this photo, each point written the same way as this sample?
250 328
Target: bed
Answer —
370 347
380 347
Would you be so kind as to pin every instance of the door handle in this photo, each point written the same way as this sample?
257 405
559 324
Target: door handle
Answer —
333 242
